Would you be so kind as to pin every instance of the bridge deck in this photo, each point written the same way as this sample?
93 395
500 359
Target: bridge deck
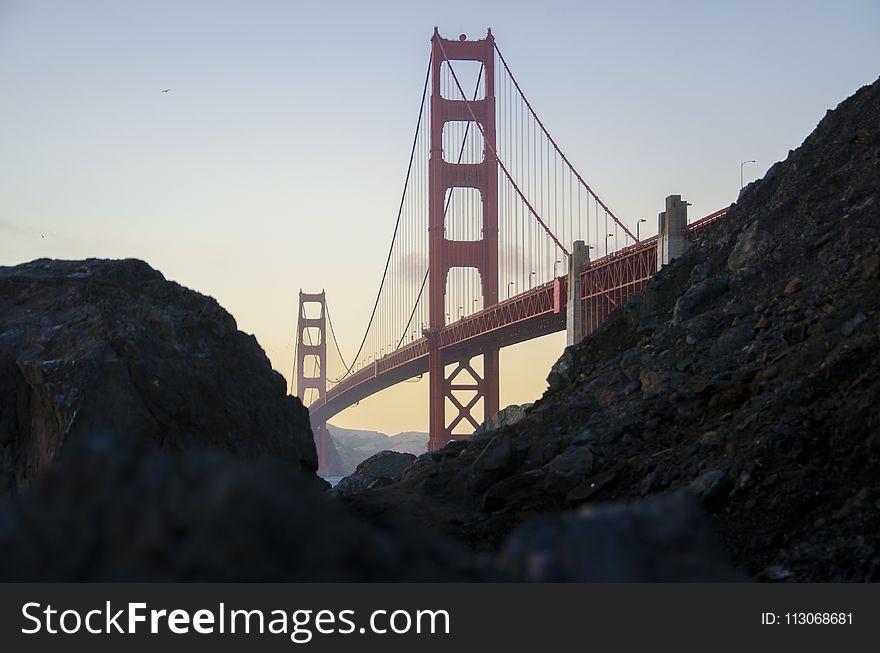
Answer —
531 314
606 283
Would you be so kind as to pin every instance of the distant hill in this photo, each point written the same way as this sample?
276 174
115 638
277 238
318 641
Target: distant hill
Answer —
352 446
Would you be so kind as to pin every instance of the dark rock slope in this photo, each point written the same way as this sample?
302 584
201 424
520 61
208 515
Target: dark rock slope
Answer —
111 347
748 371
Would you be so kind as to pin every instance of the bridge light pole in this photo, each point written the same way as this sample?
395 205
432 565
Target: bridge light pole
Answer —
606 243
555 263
639 224
741 184
530 278
508 289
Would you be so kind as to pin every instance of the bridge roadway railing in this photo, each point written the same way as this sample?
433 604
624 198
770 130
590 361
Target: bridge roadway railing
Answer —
696 227
608 282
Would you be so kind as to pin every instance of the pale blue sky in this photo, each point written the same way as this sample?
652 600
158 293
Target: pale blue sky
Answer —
277 158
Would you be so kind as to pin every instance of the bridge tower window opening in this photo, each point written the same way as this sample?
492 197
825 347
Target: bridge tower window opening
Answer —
463 142
464 214
312 368
312 336
470 76
465 292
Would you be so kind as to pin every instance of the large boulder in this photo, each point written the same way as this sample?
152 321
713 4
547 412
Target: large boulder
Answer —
111 347
379 470
504 417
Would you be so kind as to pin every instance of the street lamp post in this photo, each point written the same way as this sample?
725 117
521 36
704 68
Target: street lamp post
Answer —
639 224
532 273
741 184
555 263
606 242
508 289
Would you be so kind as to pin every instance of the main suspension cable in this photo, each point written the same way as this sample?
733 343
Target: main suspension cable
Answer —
556 146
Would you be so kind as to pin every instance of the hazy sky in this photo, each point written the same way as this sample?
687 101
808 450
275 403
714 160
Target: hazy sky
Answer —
276 160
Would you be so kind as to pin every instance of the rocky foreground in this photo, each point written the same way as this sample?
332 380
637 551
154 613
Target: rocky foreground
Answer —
747 374
723 425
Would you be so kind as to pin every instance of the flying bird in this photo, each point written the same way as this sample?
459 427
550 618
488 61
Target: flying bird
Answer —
165 90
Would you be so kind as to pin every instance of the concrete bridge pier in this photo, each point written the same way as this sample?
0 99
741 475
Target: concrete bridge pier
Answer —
321 435
575 329
672 239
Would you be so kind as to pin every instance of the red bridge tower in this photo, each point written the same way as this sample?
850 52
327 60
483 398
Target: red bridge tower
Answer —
311 351
445 254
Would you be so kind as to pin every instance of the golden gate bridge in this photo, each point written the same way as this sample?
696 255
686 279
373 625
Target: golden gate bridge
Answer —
498 239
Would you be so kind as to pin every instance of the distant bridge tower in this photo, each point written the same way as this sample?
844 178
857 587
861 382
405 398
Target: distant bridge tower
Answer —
311 356
445 254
